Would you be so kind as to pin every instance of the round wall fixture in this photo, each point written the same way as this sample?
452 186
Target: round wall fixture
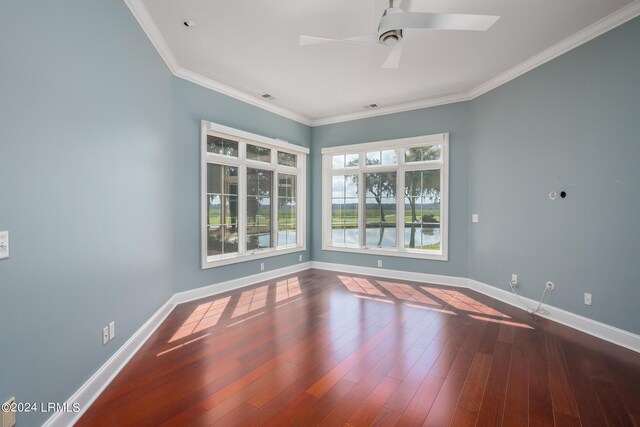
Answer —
563 194
553 195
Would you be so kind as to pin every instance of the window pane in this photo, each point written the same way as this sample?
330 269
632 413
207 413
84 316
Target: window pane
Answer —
259 185
287 159
385 157
389 157
344 211
422 154
287 210
373 158
218 145
380 217
344 161
337 162
222 198
351 160
261 154
422 210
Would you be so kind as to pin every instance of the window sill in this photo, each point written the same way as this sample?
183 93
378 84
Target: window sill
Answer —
265 253
388 252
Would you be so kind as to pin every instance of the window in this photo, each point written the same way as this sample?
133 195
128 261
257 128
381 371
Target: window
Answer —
387 197
252 187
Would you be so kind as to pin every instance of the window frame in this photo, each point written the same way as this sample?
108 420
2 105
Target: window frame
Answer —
242 163
400 168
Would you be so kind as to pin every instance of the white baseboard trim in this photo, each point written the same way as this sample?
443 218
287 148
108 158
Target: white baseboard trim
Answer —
393 274
95 385
589 326
218 288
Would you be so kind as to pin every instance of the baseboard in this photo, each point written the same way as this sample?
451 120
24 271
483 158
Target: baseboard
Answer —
393 274
91 389
588 326
206 291
95 385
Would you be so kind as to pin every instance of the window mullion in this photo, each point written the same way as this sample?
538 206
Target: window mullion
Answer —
362 229
274 209
400 209
242 200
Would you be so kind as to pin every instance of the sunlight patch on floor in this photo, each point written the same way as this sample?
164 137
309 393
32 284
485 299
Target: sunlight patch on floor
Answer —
183 344
287 288
204 316
406 292
251 300
360 285
502 322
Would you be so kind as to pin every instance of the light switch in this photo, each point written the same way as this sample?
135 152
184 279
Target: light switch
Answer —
475 218
4 244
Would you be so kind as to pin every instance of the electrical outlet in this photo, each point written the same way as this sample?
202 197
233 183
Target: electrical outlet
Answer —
105 335
262 266
587 298
514 279
4 244
379 263
475 218
550 286
8 418
300 258
112 330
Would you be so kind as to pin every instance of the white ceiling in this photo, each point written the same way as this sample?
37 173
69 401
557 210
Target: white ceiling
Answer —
252 48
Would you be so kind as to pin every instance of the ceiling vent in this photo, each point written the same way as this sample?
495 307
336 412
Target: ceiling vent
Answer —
268 96
366 107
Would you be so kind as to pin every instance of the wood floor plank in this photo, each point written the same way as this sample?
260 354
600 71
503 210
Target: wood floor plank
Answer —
614 410
343 410
422 401
331 352
368 410
540 405
492 407
562 395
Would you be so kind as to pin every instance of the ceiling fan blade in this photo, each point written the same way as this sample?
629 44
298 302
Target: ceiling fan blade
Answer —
369 38
436 21
393 60
307 40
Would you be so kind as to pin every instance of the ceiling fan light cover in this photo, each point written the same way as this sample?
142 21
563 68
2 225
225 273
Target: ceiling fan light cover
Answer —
391 37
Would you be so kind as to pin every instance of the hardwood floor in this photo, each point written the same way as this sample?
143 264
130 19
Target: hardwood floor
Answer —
333 349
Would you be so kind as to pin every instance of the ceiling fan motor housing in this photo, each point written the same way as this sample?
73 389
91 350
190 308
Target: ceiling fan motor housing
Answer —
389 36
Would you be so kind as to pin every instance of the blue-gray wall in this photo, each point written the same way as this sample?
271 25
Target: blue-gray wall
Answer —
571 124
99 185
86 191
453 118
191 104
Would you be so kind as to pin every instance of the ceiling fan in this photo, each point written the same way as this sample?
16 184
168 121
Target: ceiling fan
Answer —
395 20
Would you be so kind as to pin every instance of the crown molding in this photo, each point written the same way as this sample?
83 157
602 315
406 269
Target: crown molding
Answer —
600 27
198 79
425 103
152 31
583 36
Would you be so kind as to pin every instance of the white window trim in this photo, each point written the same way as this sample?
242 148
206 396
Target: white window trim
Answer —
243 138
398 145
